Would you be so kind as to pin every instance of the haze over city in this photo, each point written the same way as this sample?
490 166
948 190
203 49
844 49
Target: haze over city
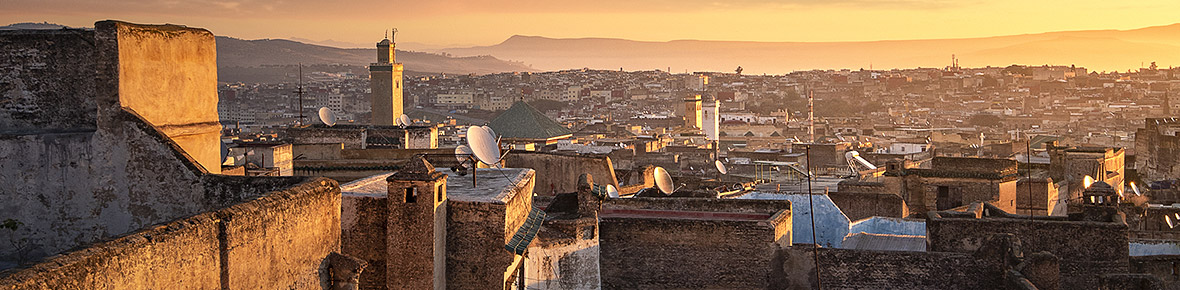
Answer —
692 144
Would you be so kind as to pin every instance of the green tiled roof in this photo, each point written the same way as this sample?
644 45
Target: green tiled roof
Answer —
527 232
522 121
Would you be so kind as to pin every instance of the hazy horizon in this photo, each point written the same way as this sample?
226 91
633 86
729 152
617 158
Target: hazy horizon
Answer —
479 23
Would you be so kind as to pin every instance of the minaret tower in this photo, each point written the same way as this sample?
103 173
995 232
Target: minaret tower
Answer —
385 83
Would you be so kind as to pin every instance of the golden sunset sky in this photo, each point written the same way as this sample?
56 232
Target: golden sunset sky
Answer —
486 22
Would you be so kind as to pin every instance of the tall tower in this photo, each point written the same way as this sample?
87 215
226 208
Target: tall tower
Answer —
385 83
692 112
417 227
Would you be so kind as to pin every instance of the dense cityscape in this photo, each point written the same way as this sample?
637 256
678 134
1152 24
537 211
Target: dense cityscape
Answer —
163 156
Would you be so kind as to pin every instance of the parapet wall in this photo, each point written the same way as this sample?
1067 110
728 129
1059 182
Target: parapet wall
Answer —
278 241
701 204
559 173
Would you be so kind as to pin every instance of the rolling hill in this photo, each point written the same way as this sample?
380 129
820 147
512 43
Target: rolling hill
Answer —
1094 49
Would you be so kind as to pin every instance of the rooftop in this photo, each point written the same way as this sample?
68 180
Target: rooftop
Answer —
492 185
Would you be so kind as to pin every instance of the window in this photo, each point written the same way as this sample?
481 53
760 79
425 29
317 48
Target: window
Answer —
411 195
439 193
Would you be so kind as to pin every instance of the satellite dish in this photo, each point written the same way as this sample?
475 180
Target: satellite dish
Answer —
1136 189
483 145
493 133
1170 224
403 120
664 181
327 116
463 153
721 167
611 191
1087 181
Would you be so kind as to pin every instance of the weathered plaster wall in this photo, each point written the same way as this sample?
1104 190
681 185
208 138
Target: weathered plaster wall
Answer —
1086 249
559 173
280 241
363 235
48 80
477 232
860 204
277 241
564 255
173 63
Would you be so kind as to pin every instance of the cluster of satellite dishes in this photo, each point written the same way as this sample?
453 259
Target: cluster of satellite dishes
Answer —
1172 221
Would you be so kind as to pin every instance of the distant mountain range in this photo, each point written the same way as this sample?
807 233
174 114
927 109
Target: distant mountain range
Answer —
1094 49
238 53
253 53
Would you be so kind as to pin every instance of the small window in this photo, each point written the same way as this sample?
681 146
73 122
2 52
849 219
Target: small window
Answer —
439 193
411 195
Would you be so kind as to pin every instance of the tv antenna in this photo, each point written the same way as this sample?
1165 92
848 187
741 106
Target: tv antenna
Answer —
327 116
299 92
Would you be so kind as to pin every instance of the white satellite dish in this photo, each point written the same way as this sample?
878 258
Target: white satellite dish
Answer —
1136 189
1087 181
493 133
664 181
721 167
403 120
483 145
327 116
1170 224
463 153
611 191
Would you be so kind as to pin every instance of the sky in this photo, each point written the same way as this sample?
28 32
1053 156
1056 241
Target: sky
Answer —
456 23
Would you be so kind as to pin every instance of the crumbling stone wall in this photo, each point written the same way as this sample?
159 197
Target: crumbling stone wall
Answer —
363 235
1163 267
47 83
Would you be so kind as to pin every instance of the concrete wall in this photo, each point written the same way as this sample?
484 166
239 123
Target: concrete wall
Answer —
564 255
1086 249
278 241
858 206
559 173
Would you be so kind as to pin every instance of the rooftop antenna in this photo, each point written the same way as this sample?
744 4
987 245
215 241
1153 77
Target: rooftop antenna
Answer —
300 91
327 116
811 211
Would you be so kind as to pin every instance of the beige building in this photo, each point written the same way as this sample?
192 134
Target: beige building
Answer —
385 83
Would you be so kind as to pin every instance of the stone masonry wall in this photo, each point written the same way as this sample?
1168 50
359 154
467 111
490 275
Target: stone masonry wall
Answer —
47 83
860 269
1086 249
647 253
363 235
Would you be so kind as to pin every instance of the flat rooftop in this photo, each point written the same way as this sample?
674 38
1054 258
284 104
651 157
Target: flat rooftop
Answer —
492 185
680 214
